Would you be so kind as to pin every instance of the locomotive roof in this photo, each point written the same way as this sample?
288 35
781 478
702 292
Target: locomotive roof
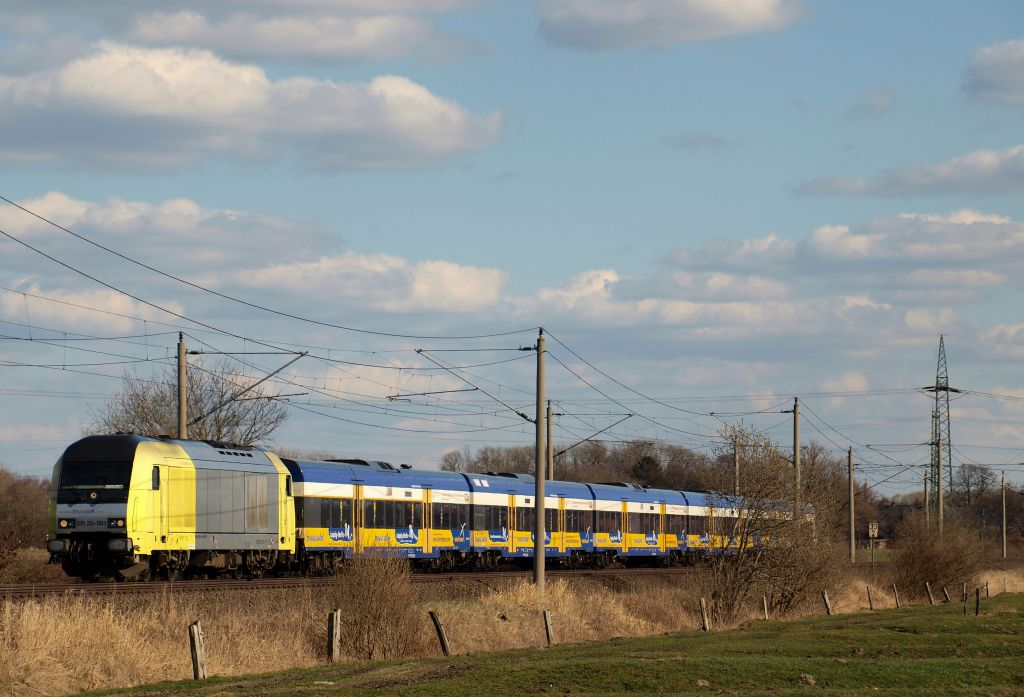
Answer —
204 454
114 447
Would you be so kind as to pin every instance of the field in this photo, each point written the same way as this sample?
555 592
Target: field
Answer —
914 651
59 646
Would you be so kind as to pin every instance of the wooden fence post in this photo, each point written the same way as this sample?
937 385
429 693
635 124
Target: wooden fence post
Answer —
896 593
928 589
764 602
986 589
442 638
965 591
197 646
871 605
945 595
704 624
828 605
977 601
333 636
548 631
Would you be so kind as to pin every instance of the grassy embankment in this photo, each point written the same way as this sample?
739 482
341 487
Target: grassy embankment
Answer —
914 651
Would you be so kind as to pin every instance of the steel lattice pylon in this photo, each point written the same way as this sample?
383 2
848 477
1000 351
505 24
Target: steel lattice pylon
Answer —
941 436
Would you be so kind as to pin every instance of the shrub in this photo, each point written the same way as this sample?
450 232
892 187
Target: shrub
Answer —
381 616
951 560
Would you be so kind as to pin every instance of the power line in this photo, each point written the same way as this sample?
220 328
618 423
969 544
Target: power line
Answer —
313 388
247 303
617 382
615 401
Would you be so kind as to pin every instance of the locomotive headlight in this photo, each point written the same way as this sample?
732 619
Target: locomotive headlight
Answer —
115 522
120 545
57 546
66 523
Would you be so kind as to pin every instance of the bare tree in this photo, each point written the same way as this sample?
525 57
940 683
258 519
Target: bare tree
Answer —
454 461
284 451
23 513
768 548
149 407
972 481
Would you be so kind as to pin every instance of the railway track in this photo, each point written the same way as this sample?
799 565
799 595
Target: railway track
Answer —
38 590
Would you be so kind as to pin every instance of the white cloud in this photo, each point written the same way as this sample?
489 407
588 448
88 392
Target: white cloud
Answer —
719 285
596 25
838 241
996 73
593 296
175 108
160 228
974 247
109 310
746 253
964 216
297 37
1003 341
978 172
958 278
847 382
296 31
921 320
378 37
54 205
1003 332
384 282
120 79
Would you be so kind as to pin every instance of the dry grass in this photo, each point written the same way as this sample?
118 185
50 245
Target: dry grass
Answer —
60 646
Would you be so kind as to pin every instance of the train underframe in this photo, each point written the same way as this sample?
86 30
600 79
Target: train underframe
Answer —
92 559
97 558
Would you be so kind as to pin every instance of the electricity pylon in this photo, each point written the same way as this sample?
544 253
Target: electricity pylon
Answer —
941 459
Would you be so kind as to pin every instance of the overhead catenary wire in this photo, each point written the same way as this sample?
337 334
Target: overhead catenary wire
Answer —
375 409
471 384
615 401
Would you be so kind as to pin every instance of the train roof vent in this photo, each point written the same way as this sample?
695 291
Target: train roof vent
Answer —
626 485
385 466
349 461
223 445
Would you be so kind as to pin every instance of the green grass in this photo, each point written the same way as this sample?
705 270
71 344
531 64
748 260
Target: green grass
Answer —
881 555
915 651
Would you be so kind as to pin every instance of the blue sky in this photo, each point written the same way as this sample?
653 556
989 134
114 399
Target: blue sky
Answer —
763 199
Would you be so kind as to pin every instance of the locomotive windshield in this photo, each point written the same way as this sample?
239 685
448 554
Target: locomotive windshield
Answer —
94 482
